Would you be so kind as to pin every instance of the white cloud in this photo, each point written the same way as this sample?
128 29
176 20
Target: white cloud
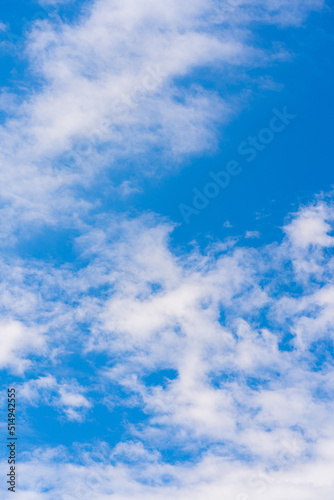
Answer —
109 88
252 234
227 224
66 396
16 341
44 475
197 314
311 227
241 345
233 389
173 321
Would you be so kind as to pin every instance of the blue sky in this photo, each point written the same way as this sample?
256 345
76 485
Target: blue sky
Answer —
157 355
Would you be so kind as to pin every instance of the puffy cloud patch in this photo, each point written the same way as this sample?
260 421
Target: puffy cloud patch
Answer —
224 357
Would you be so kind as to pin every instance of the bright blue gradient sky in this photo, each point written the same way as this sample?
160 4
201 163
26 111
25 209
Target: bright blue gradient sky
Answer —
155 358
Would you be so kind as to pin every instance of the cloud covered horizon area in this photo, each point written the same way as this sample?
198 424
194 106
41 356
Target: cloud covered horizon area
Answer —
153 360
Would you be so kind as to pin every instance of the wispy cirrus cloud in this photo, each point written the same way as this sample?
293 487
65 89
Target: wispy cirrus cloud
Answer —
118 83
225 354
216 349
66 396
